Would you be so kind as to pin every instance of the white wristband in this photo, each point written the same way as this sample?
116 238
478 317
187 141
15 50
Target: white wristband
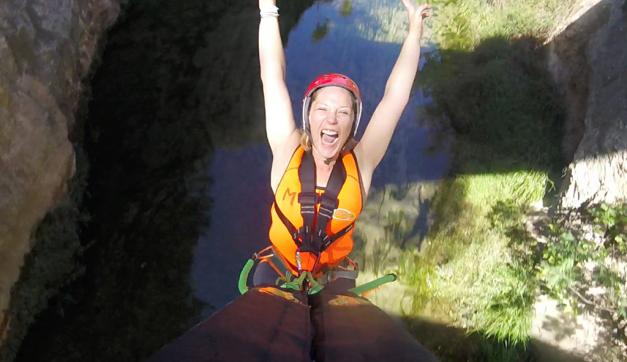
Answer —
270 11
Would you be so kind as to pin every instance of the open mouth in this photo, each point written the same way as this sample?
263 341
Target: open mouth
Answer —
329 137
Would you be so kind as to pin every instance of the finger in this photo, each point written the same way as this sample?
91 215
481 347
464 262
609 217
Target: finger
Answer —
423 7
409 5
424 11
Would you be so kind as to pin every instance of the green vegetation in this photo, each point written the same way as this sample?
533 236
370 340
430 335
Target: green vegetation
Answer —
584 263
491 83
463 24
479 269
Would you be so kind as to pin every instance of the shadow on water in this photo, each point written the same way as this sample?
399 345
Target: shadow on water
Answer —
501 101
508 118
506 108
169 89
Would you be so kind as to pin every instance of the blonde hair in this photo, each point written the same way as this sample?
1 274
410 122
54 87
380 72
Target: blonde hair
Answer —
305 140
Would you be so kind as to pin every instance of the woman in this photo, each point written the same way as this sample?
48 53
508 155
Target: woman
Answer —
320 175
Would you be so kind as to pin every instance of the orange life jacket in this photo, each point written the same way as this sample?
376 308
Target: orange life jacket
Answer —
312 228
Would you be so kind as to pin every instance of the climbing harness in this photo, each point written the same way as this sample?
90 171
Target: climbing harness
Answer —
306 282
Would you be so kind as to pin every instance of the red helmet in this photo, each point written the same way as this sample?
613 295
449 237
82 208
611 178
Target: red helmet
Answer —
332 79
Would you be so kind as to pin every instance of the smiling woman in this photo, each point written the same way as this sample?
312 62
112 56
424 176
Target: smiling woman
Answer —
333 116
302 302
321 174
305 236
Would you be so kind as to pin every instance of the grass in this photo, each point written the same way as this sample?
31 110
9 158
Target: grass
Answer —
491 83
474 277
463 24
489 80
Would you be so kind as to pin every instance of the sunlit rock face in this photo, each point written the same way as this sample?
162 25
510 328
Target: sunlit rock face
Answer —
46 48
589 61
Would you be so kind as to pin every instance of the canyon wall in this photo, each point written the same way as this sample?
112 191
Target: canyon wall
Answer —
588 59
46 50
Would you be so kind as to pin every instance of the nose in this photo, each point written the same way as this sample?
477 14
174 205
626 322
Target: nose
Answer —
332 118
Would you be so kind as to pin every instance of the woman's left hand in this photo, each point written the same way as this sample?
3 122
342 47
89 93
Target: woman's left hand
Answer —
417 14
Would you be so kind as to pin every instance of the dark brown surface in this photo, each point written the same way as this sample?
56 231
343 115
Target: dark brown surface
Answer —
264 326
350 328
257 326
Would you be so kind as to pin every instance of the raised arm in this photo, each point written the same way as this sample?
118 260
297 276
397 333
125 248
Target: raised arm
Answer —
378 134
280 125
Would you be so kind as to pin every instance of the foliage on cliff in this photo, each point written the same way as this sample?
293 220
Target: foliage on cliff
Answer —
480 268
488 79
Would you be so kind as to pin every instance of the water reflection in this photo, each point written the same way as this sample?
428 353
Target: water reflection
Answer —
360 38
239 219
346 8
320 31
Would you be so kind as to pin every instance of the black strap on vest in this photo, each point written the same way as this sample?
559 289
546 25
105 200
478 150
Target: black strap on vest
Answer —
312 236
328 203
307 199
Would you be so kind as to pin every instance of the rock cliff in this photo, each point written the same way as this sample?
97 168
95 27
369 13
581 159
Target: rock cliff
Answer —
588 59
46 50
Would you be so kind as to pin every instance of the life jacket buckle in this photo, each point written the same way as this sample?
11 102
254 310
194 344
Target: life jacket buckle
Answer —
307 198
329 203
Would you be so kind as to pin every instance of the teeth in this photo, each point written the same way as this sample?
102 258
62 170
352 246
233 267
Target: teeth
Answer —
329 132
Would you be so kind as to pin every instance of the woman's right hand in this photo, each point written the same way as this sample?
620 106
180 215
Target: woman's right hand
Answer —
416 14
264 4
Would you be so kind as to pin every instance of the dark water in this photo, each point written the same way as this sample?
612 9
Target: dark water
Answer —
357 38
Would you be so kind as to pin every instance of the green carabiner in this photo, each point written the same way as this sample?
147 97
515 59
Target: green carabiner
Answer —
242 283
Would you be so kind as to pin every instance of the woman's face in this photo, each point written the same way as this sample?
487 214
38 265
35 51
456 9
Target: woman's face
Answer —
330 120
